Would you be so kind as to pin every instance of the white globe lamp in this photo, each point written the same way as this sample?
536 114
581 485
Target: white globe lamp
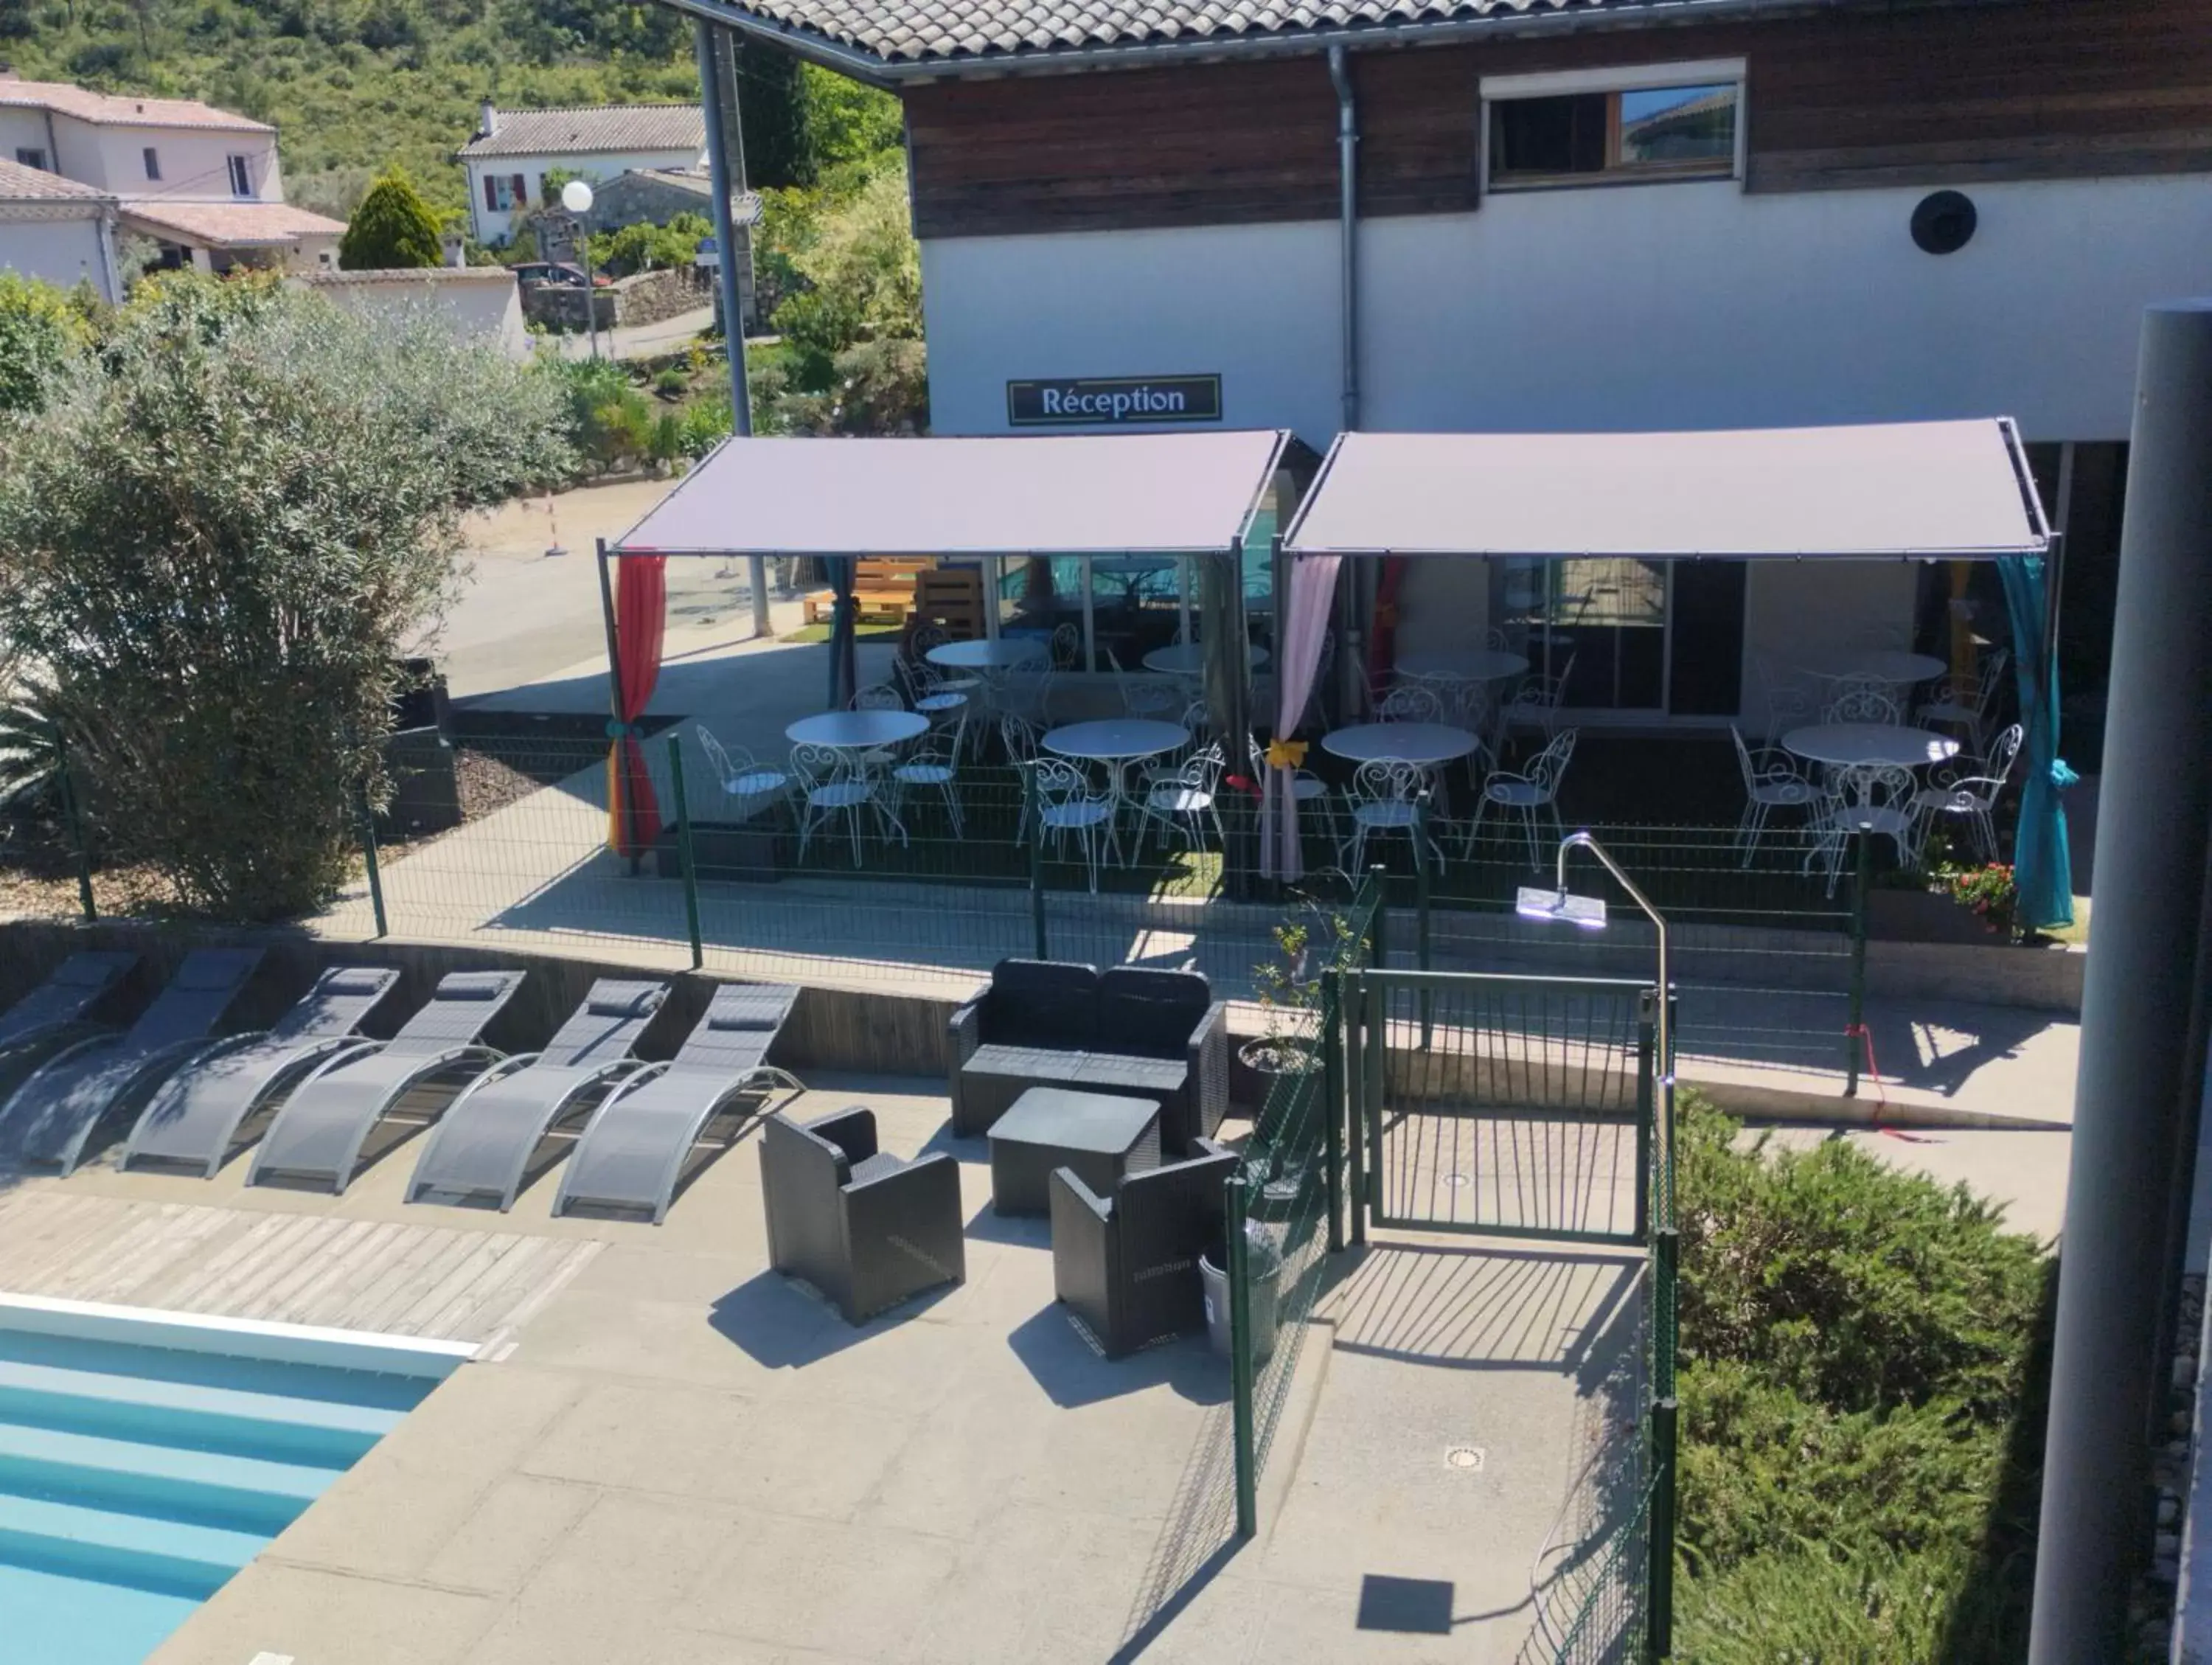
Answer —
576 196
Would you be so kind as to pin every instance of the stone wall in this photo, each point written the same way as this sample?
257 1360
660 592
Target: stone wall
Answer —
647 297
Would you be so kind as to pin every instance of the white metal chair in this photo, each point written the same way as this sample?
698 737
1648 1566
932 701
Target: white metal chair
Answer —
1790 702
1771 782
933 761
1143 696
1187 798
1528 794
1019 736
739 773
1306 786
1861 699
1383 800
945 701
1873 799
1968 788
1968 702
1535 701
1068 803
1410 702
832 783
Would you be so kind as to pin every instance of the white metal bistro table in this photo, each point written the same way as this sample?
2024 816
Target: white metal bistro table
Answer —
856 730
1426 743
1476 664
1891 665
1869 743
1188 658
985 654
1116 742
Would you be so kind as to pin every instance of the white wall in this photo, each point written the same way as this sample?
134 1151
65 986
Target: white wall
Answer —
194 162
475 307
61 251
493 226
24 128
1663 306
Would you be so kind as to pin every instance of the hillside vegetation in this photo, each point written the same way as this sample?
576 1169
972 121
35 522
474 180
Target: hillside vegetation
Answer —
358 86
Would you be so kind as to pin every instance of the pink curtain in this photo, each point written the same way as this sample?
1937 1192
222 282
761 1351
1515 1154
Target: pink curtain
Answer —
1304 628
641 614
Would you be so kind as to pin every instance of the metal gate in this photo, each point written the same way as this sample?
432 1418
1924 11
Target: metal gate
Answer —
1509 1106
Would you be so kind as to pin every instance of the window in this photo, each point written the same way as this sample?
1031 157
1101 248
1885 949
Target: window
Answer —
27 157
241 177
153 163
1678 123
504 192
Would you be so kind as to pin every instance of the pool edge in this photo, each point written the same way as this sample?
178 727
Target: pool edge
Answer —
238 1338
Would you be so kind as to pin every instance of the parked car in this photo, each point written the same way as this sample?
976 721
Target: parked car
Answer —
531 273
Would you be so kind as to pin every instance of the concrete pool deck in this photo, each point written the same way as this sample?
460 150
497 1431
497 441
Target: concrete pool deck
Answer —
670 1454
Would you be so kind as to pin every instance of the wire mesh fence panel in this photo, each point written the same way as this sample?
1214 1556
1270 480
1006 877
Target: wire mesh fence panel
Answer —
1509 1105
1593 1609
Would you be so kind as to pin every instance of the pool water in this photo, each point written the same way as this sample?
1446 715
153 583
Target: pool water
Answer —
136 1479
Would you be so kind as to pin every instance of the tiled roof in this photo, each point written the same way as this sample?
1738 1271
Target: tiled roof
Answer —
431 275
121 109
230 225
914 30
591 127
19 183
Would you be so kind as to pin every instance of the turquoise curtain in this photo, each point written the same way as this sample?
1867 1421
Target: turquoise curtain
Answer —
2043 865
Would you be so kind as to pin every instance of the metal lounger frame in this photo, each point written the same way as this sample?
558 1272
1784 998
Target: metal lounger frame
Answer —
556 1110
710 1107
475 1058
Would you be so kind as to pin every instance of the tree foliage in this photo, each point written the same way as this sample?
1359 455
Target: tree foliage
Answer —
231 518
1861 1386
392 229
40 328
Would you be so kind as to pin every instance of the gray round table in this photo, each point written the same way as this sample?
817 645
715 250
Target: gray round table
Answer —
856 730
1188 658
1475 665
1427 744
1889 665
1869 743
985 654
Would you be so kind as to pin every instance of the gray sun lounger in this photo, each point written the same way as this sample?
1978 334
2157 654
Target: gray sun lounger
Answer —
195 1115
633 1150
51 1117
55 1011
483 1144
319 1133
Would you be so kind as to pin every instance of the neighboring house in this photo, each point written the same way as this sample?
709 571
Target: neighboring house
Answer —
1605 215
513 150
479 301
203 182
658 194
56 229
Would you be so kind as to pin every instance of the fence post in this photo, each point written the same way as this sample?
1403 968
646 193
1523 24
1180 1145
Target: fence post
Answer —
1380 938
1421 811
1659 1631
1241 1364
1855 1034
1646 1180
1374 1061
683 851
1332 1087
80 847
1033 818
1355 1108
368 858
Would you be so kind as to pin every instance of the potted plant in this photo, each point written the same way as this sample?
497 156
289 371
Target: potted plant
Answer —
1288 988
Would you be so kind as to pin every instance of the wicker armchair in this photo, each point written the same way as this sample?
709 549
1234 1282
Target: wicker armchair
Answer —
1150 1034
1128 1264
864 1228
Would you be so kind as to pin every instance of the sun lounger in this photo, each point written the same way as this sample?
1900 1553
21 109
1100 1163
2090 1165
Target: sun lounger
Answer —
319 1133
483 1144
55 1011
632 1151
195 1115
50 1118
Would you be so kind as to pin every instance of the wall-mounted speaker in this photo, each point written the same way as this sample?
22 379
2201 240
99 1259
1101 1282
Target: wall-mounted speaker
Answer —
1943 223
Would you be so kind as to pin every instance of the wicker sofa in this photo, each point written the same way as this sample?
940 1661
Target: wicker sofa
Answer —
864 1228
1128 1264
1156 1034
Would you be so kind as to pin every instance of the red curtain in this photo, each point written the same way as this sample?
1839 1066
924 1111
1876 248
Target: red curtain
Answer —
1382 642
641 611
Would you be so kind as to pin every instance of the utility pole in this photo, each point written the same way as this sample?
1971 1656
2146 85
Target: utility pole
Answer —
726 161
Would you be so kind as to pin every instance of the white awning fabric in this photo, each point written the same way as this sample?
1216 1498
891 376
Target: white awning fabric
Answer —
1948 490
1057 493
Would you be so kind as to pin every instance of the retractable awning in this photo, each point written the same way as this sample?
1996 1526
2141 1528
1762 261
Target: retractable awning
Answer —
1954 490
1165 494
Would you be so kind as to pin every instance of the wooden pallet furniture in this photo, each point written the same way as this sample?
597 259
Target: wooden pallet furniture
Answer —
883 588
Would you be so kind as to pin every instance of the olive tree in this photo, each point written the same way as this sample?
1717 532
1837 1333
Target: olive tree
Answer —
232 517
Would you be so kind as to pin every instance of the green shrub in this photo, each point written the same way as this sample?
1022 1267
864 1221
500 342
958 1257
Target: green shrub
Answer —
39 329
392 229
672 383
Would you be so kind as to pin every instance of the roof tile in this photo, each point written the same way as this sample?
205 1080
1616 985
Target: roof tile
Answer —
575 129
121 109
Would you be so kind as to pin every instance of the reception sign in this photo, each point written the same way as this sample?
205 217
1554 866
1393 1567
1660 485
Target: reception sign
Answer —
1095 402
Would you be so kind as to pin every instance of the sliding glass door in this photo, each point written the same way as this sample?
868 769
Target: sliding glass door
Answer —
1627 634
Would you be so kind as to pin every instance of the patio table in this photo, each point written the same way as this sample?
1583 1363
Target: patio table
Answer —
856 730
1477 665
1188 658
1101 1136
1427 744
1869 743
1116 742
1890 665
985 654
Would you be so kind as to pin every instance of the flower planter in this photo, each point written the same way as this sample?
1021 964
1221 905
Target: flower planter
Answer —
1257 1065
1927 916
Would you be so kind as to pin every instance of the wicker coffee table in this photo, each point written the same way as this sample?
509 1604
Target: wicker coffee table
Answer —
1101 1136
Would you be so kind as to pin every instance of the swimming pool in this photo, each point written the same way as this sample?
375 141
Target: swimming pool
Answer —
146 1457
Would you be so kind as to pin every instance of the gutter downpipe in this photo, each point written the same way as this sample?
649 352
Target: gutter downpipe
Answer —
1347 168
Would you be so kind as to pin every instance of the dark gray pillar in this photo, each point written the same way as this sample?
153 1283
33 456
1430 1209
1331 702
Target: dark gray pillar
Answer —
725 162
2151 830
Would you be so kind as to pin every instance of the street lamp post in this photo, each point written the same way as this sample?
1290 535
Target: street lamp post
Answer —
576 197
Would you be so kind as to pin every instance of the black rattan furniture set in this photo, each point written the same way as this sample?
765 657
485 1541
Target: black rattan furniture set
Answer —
1099 1094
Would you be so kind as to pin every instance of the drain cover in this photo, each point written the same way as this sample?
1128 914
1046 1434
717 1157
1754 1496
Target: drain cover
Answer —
1456 1180
1464 1456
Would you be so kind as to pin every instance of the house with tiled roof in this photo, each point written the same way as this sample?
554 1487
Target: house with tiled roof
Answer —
203 184
513 150
56 229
